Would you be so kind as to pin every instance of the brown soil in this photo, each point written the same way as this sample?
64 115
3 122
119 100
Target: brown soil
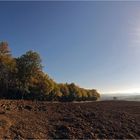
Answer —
92 120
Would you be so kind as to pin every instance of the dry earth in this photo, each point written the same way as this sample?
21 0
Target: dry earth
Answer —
92 120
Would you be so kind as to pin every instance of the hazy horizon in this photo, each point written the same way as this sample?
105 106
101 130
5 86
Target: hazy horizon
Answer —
93 44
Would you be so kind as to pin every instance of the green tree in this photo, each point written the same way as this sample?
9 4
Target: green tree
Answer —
73 91
28 66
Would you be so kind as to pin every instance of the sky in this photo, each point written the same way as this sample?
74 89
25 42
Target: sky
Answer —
93 44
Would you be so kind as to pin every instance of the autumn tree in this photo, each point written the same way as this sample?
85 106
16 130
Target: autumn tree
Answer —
40 86
65 91
7 68
23 77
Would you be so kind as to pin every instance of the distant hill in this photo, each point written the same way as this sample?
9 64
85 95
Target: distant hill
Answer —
127 97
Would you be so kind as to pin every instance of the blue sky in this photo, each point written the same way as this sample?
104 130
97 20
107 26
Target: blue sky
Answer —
94 44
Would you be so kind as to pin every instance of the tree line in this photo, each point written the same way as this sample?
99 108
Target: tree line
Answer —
23 78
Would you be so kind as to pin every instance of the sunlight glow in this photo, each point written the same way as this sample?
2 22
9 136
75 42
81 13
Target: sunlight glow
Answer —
127 91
